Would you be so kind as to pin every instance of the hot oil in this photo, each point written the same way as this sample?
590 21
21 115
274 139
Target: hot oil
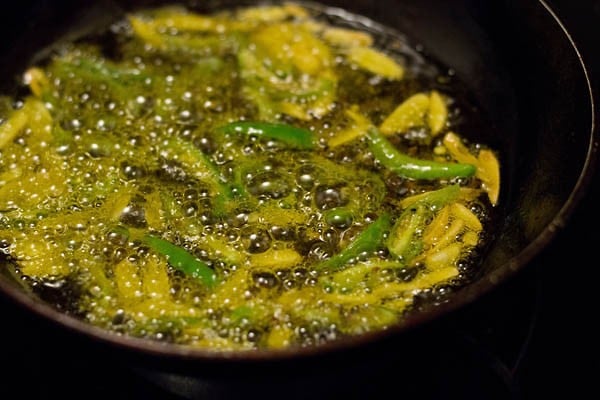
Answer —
119 104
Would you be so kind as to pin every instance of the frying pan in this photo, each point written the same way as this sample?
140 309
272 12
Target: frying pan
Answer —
524 75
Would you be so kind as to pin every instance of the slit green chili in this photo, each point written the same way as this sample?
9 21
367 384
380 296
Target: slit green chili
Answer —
101 71
368 241
203 168
181 260
293 136
403 241
437 199
410 167
340 217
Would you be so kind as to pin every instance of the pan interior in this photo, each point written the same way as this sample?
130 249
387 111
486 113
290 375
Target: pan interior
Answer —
534 98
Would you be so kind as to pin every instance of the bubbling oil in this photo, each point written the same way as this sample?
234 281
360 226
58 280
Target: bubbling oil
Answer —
123 143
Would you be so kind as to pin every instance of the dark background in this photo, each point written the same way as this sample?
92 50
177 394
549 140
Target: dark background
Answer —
536 335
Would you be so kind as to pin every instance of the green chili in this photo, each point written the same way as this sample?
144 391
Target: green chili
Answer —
181 260
368 241
340 217
101 71
413 168
403 240
436 199
204 169
294 137
196 162
254 313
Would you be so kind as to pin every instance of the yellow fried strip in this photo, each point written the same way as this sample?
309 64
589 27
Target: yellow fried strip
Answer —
128 282
146 31
489 172
460 211
275 259
32 114
287 43
435 230
438 113
422 281
347 37
280 336
376 62
185 22
488 167
230 293
458 150
293 110
408 114
153 211
222 250
155 279
272 13
37 81
456 228
247 19
39 258
444 258
358 127
11 174
470 238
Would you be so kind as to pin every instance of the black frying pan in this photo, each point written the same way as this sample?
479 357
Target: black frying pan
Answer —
524 75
